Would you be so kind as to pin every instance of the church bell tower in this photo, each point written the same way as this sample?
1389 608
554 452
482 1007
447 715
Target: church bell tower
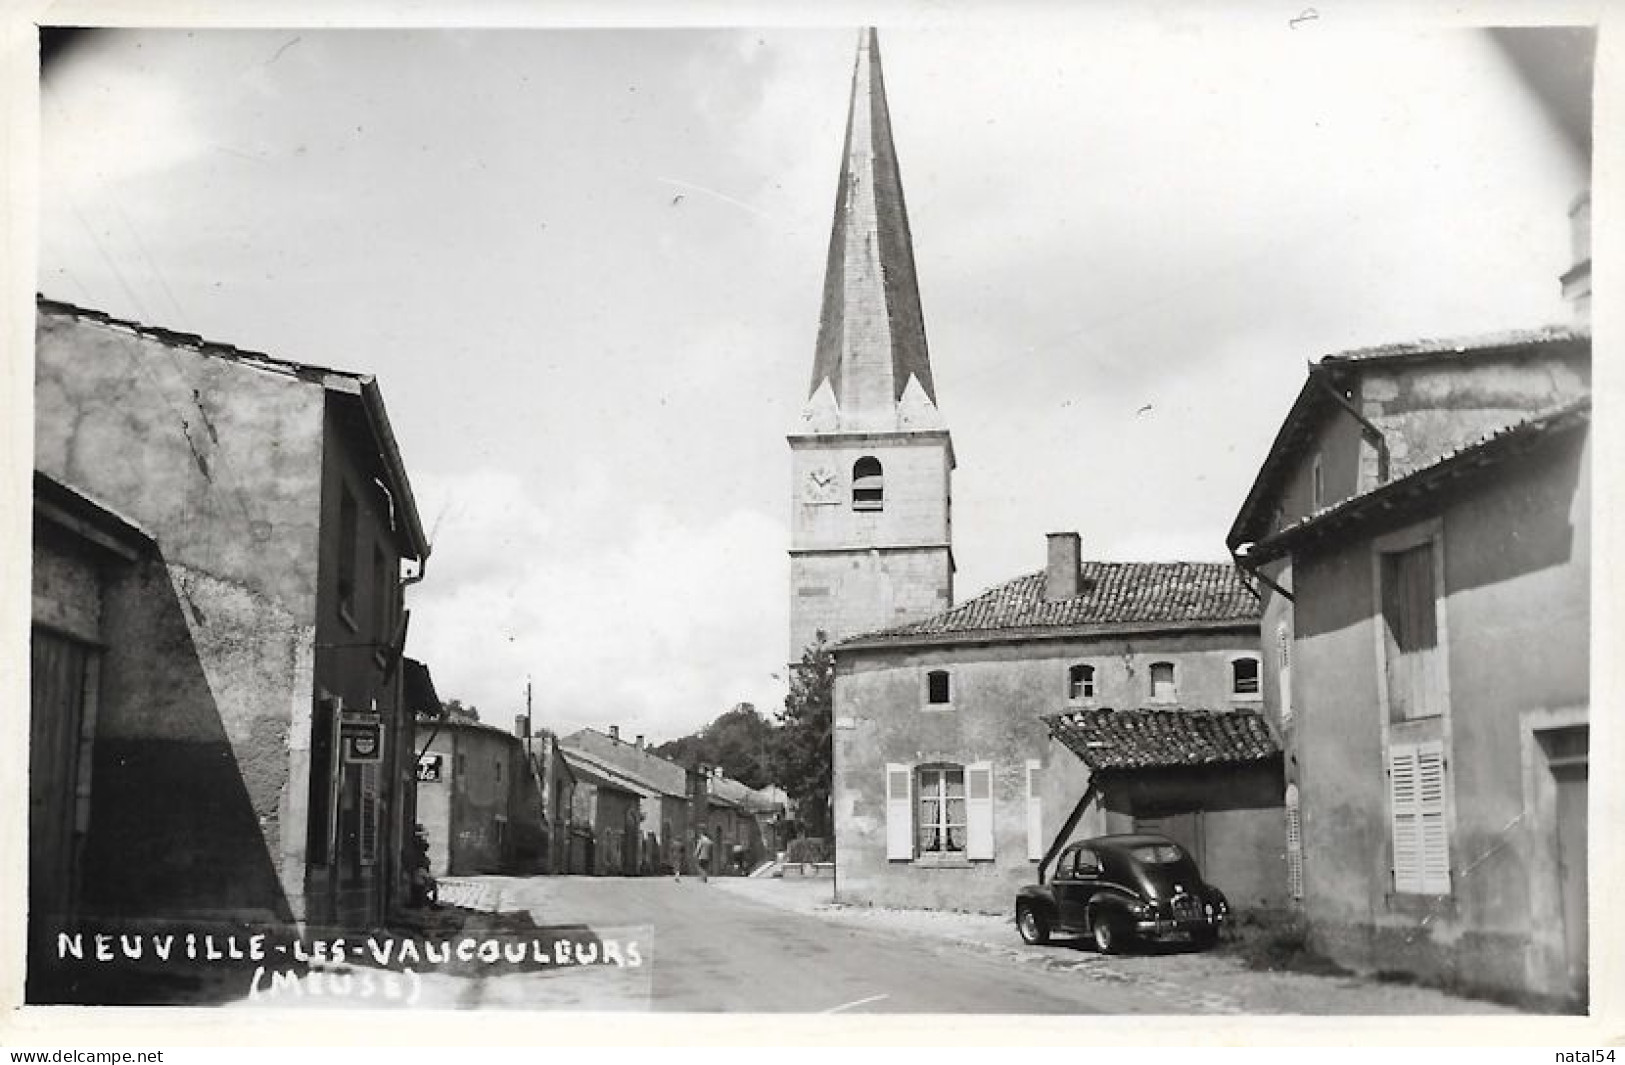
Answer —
871 461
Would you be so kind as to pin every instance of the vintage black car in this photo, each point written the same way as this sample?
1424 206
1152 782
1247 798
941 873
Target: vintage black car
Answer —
1116 889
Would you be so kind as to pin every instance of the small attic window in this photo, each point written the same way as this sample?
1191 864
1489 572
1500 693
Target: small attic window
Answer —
868 484
1080 682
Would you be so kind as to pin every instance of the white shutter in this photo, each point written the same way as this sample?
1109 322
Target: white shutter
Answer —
1421 842
899 812
1283 657
1035 813
1294 843
1435 835
979 811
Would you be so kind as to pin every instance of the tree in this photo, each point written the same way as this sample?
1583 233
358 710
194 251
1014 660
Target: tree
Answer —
804 760
456 711
740 740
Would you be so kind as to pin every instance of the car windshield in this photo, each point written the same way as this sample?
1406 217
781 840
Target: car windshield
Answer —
1158 853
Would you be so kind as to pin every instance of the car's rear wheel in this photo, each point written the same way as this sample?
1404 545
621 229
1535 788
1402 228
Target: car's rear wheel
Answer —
1106 929
1033 924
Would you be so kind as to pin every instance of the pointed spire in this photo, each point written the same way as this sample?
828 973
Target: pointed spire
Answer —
871 333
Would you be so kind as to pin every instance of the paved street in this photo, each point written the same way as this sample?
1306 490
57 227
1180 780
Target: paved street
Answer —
712 949
765 946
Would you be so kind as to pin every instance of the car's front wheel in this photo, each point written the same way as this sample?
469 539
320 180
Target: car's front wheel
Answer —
1106 929
1033 924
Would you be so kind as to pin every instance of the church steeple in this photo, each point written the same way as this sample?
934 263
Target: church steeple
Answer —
871 369
871 539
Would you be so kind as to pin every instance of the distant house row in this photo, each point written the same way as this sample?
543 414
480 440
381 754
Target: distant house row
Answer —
590 803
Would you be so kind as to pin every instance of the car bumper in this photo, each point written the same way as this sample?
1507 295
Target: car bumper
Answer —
1152 928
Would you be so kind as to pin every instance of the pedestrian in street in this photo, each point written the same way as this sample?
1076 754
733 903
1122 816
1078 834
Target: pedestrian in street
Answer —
702 856
677 859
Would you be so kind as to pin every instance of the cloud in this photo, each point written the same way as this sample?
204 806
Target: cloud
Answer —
617 615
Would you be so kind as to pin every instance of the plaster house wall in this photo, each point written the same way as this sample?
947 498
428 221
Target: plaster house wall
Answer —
999 692
1428 408
208 675
473 814
355 662
1516 572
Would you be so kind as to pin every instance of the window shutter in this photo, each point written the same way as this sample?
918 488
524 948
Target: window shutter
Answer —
1283 653
899 812
369 813
1435 836
1421 843
1035 813
1294 843
979 811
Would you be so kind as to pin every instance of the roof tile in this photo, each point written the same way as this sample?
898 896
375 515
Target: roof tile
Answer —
1115 593
1159 739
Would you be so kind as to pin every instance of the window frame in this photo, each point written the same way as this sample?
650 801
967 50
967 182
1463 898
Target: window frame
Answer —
1173 682
868 486
1080 682
348 548
1429 533
1257 693
928 695
944 824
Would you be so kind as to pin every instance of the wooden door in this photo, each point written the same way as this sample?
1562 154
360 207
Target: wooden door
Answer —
1572 866
60 672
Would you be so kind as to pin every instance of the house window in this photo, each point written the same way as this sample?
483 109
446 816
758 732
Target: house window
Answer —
1163 687
1080 682
868 484
1318 490
940 818
347 552
1412 666
1035 811
498 764
1421 839
937 691
1244 677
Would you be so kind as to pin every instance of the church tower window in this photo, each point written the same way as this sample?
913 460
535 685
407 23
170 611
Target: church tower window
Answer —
868 484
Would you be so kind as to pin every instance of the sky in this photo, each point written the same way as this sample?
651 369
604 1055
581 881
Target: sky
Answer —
585 266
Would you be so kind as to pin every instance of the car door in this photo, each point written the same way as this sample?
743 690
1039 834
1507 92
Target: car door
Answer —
1082 881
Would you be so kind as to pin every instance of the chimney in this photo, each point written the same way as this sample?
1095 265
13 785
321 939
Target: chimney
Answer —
615 733
1063 573
1577 280
640 741
521 726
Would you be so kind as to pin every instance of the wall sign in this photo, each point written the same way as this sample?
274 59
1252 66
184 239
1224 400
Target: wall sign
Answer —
430 768
361 736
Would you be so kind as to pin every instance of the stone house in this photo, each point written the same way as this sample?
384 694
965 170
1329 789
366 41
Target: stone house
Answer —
948 789
665 804
244 733
1420 531
612 804
556 783
479 800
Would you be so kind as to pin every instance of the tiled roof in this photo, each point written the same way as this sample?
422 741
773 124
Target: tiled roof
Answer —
629 760
1116 594
1159 739
1471 345
1422 482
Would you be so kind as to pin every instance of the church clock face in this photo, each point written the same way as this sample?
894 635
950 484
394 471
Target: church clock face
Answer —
820 486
